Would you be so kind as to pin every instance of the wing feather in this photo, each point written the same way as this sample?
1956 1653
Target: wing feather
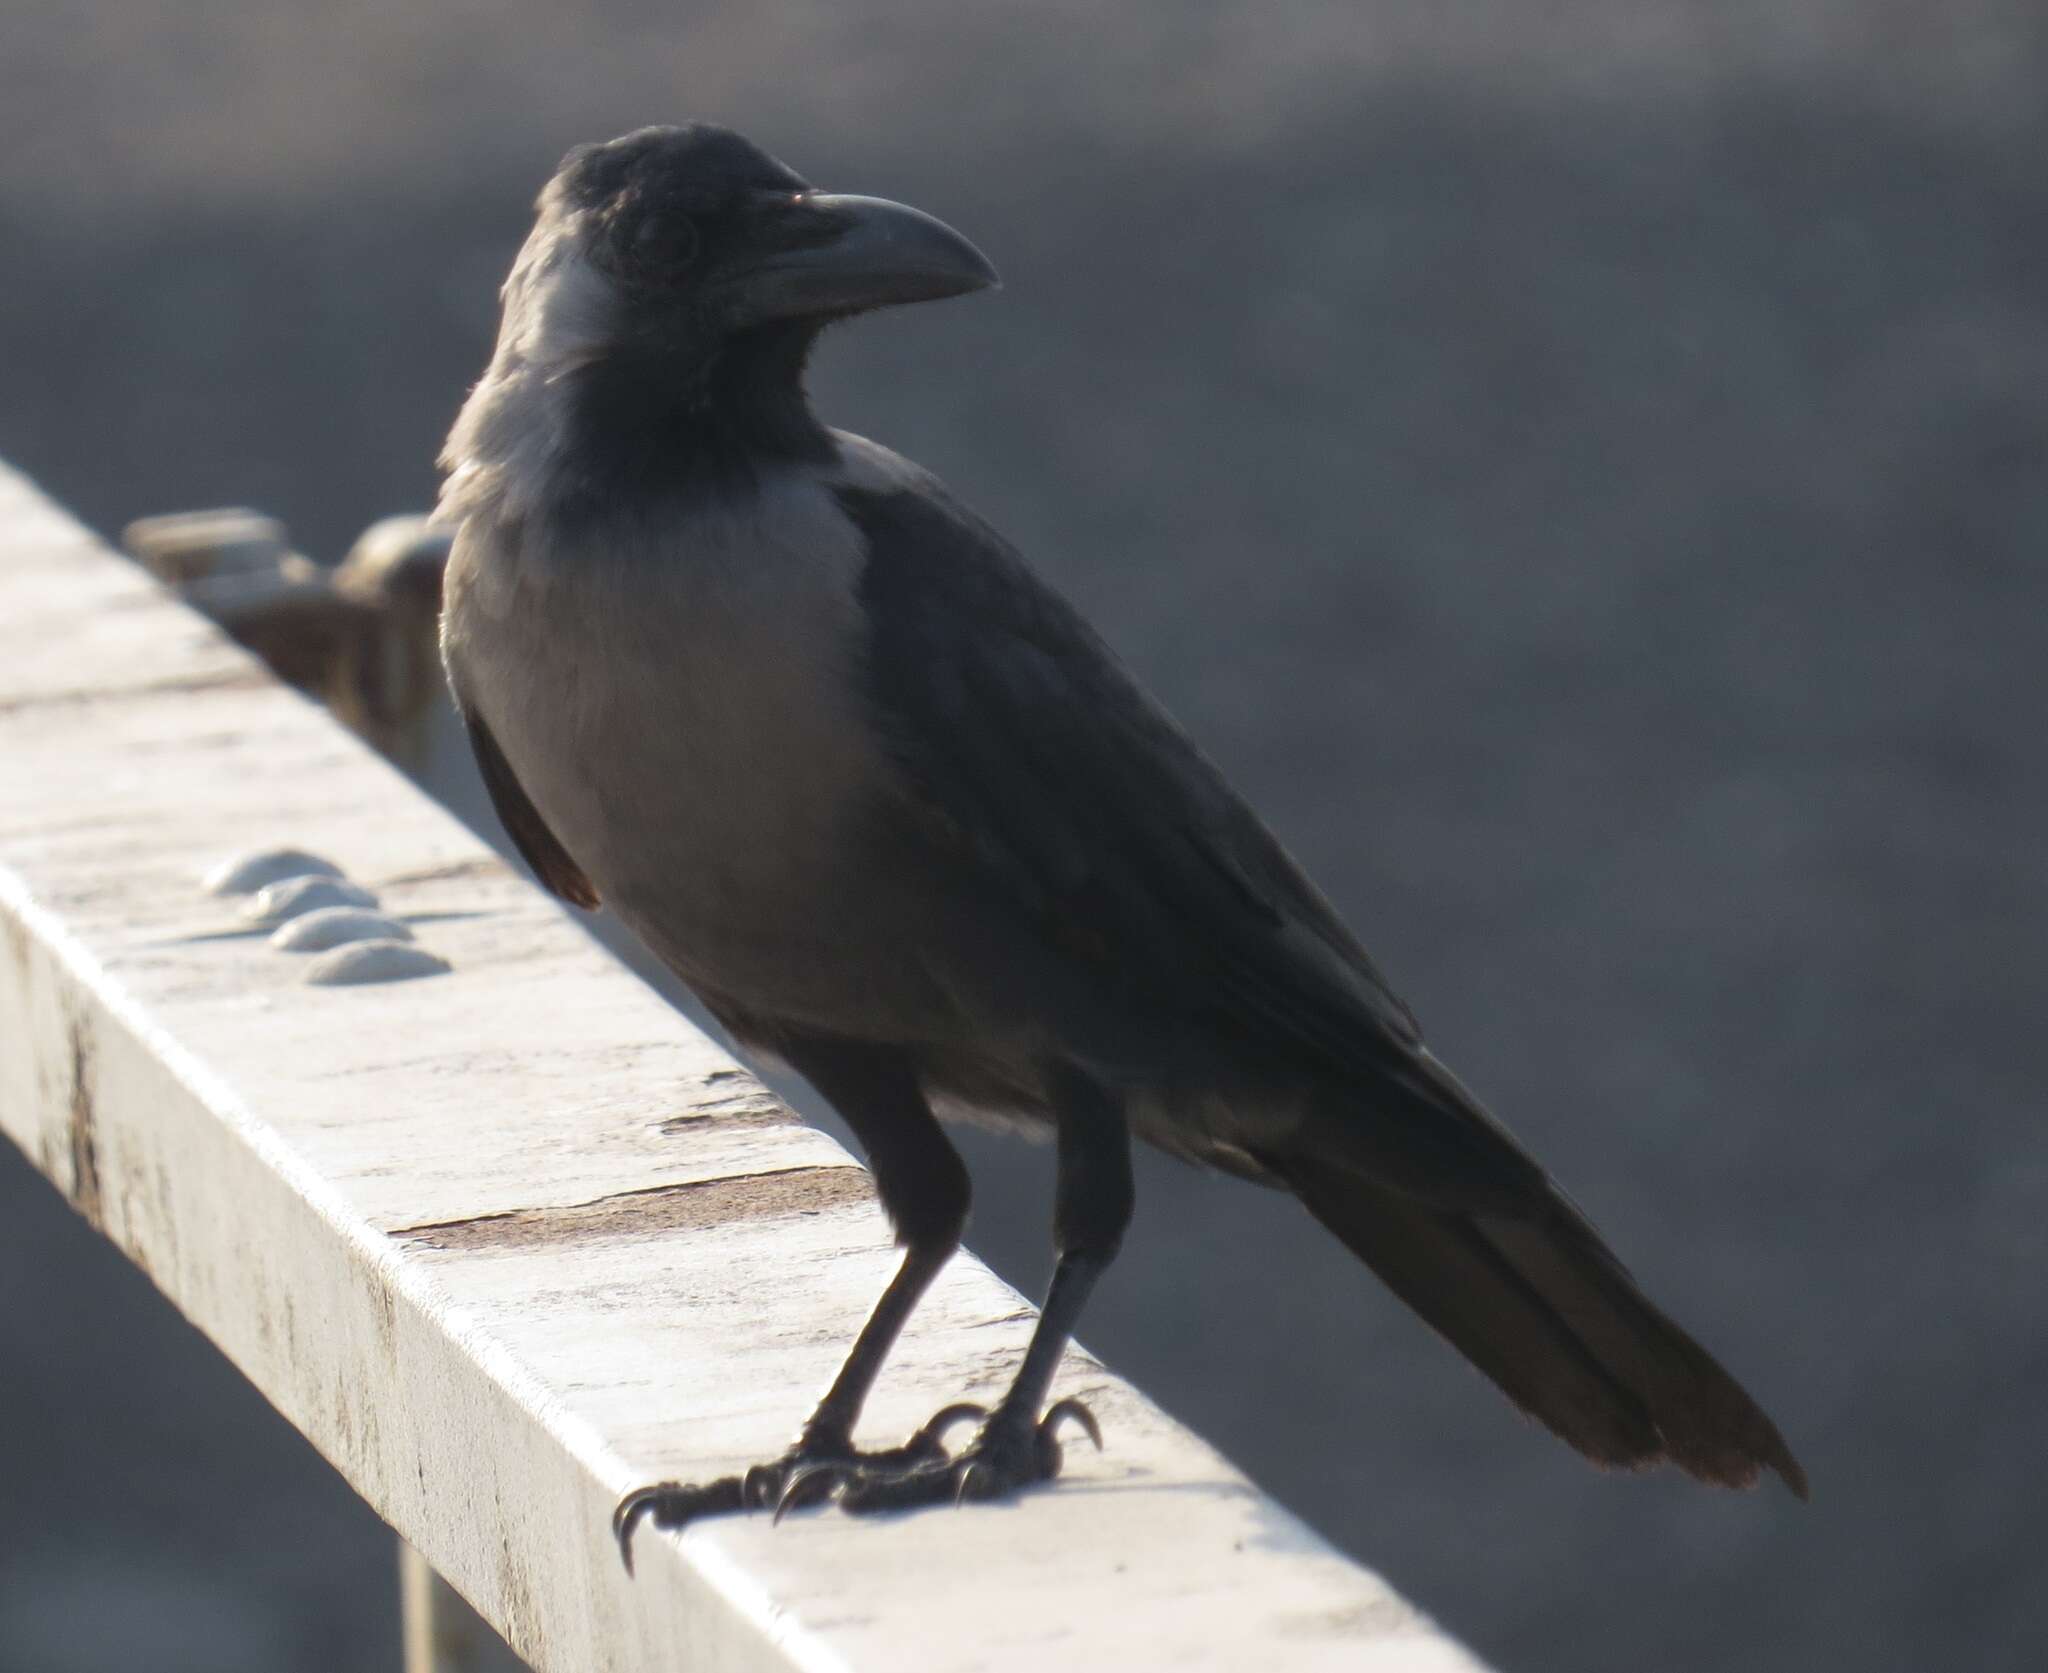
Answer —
1042 758
537 844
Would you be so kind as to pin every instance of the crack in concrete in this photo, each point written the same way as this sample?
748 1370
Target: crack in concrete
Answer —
775 1194
84 1139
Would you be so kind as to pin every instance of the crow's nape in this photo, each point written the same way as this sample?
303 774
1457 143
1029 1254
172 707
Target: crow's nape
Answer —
1543 1307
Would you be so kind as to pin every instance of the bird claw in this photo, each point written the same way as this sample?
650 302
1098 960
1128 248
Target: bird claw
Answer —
1004 1457
762 1485
673 1504
806 1475
975 1471
795 1491
777 1485
1062 1410
931 1439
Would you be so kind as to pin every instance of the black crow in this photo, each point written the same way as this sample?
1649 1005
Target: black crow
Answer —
902 821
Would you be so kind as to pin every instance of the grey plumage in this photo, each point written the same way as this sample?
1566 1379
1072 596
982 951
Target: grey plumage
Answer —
894 811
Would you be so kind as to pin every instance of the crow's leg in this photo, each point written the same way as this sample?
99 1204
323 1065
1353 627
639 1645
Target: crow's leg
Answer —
1016 1445
924 1188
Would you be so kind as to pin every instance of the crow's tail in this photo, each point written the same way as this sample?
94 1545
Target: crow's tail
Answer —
1540 1304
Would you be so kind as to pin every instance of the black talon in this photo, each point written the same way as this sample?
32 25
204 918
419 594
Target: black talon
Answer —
932 1437
966 1482
1049 1425
767 1483
793 1486
627 1517
1047 1435
673 1505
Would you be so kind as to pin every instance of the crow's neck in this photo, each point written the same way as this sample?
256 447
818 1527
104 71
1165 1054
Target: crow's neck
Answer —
662 422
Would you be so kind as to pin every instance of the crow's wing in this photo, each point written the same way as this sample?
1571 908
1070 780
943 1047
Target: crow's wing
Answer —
1034 751
537 843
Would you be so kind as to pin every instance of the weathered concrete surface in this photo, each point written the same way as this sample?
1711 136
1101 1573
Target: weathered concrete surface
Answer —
507 1242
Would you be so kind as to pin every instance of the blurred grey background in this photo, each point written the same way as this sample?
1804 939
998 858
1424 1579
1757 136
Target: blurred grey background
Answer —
1580 468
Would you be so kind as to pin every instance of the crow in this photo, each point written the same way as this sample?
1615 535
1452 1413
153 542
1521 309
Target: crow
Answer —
894 812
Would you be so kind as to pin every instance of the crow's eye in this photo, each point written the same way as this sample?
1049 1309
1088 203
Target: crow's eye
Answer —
665 242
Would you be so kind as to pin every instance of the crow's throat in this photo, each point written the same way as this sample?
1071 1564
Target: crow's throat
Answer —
653 423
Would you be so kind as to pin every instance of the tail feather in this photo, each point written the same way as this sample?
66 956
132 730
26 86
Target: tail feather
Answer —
1544 1308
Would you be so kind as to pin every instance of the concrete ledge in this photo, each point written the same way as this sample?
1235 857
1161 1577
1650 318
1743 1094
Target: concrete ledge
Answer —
508 1241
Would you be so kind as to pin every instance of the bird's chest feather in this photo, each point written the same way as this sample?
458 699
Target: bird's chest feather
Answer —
682 708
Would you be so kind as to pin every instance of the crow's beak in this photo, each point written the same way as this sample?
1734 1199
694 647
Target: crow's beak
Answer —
846 254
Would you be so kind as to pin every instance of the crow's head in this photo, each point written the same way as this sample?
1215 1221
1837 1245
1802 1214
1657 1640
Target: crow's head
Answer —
676 241
659 315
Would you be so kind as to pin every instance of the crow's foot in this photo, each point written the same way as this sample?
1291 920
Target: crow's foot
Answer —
804 1475
1010 1452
